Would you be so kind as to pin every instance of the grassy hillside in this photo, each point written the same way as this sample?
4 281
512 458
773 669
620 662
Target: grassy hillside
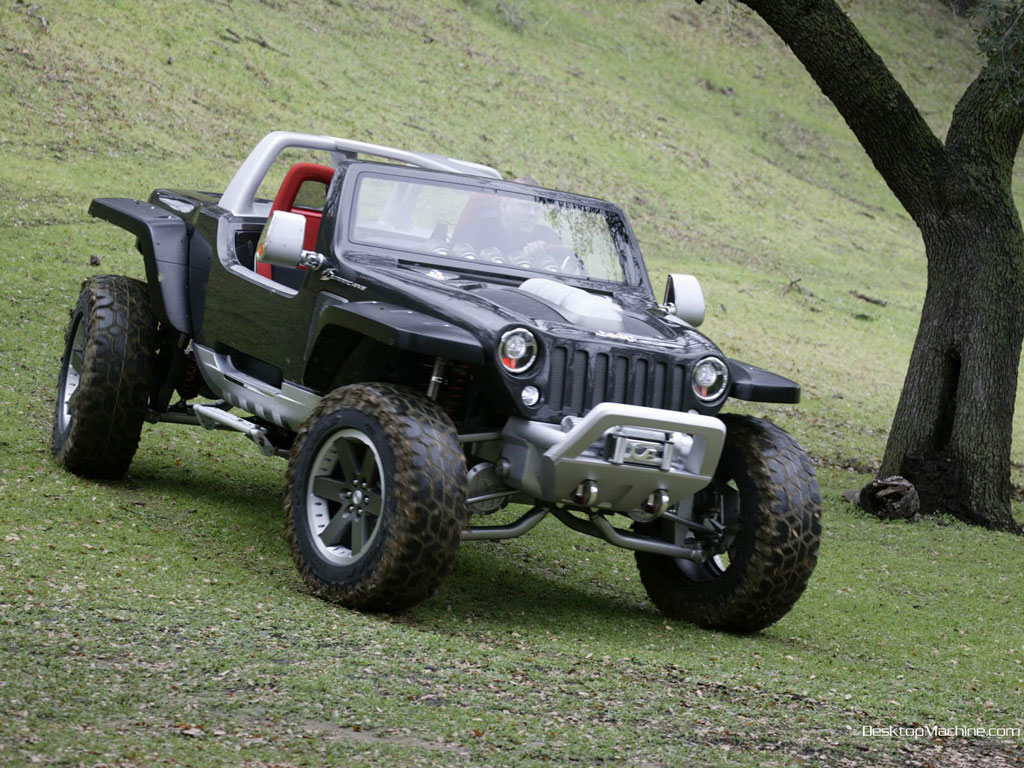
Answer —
160 620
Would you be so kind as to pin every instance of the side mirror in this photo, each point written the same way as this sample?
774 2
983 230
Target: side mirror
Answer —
281 242
685 299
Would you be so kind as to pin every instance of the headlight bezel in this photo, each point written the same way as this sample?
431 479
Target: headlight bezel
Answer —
715 389
511 358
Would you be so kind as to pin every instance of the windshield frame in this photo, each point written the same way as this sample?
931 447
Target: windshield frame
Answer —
624 241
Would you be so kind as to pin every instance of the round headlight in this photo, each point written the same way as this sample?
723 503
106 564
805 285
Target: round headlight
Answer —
517 350
710 379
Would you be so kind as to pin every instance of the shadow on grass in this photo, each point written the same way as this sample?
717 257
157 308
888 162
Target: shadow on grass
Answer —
491 581
497 588
203 512
205 485
530 585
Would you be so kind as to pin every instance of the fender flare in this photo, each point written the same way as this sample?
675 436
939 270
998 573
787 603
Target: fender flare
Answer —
404 329
162 239
760 386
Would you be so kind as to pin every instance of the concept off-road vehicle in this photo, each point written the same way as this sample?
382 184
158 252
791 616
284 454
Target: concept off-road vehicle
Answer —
428 344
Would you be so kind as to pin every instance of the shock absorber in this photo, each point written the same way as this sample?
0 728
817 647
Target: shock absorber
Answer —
455 391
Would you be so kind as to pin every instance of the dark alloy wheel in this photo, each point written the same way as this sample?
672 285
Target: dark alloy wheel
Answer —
375 498
106 374
764 498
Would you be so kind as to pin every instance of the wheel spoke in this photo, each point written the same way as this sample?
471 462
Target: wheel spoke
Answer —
374 504
78 359
346 459
71 401
331 535
368 468
360 532
346 479
730 508
329 488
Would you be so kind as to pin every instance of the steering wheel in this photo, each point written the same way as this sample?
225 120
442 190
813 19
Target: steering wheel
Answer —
568 261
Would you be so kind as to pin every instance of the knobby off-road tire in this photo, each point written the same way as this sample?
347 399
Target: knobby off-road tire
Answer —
776 539
105 377
375 497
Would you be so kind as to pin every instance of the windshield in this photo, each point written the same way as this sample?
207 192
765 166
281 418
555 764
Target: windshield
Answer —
487 227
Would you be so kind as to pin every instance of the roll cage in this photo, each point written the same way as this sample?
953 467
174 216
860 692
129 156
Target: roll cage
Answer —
239 196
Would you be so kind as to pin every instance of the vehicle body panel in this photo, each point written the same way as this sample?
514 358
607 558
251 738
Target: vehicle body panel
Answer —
201 259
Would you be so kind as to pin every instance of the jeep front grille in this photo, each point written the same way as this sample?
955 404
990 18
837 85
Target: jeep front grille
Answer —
580 379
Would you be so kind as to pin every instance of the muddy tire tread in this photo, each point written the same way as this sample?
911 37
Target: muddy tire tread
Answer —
787 523
429 484
117 373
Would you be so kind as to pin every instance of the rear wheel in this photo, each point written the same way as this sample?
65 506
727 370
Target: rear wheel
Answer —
375 499
106 374
765 498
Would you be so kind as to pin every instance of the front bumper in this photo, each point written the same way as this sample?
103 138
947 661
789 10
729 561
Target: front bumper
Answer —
628 452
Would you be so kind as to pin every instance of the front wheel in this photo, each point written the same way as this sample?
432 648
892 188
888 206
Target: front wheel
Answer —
375 499
765 497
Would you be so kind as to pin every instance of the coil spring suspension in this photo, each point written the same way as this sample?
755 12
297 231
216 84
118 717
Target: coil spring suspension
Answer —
455 391
191 380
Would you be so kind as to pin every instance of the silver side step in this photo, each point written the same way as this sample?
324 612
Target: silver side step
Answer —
287 406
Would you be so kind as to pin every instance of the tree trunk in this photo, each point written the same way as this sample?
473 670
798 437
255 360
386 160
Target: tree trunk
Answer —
952 431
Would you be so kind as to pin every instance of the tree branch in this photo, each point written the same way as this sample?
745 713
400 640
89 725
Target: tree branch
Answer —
988 121
879 112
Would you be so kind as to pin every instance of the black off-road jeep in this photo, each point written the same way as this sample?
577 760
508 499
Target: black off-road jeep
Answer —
427 344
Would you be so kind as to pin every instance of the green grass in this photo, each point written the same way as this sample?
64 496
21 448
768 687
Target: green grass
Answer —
160 621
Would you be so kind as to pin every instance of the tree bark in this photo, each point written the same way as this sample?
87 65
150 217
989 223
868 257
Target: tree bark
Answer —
952 431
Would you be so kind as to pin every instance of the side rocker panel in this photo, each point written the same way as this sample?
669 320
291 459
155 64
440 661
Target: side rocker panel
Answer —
162 239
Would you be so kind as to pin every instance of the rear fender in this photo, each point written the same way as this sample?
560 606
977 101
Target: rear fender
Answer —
162 239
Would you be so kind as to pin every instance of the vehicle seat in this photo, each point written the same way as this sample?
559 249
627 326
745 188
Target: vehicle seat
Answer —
478 221
299 193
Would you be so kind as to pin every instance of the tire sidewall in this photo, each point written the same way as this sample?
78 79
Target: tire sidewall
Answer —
80 315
